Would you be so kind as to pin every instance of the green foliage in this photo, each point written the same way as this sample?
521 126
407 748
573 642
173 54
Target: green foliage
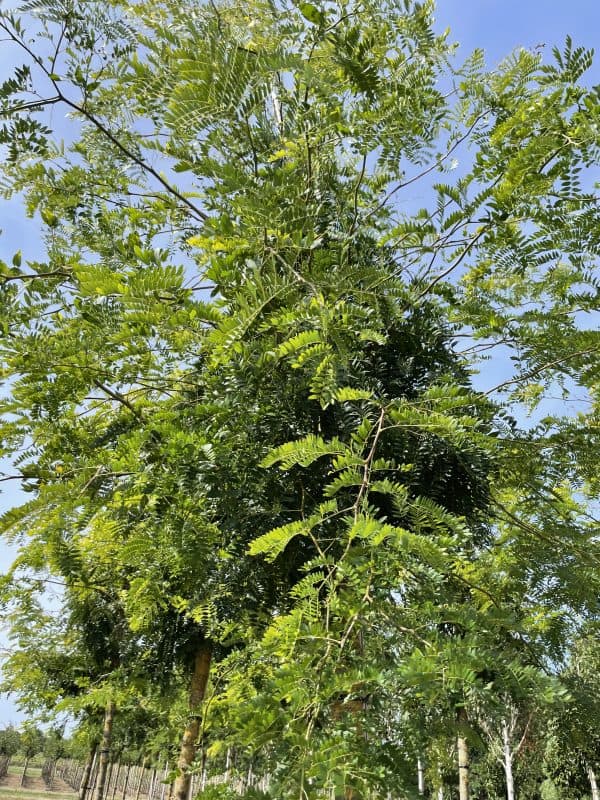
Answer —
10 741
32 741
234 392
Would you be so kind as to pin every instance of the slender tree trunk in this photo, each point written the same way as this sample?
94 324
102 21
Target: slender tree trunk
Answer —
128 770
203 770
593 783
109 716
24 775
508 762
420 776
109 778
463 768
94 777
164 780
152 788
116 780
142 769
189 740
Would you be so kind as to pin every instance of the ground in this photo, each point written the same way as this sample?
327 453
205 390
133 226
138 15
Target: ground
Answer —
34 788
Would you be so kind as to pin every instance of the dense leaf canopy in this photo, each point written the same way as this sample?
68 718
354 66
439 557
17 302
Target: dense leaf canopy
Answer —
238 386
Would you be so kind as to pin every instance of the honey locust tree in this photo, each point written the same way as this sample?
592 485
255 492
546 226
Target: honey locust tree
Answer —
229 273
76 660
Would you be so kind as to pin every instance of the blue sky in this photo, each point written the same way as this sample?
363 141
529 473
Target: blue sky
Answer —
497 26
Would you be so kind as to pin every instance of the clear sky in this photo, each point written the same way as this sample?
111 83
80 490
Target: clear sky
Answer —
497 26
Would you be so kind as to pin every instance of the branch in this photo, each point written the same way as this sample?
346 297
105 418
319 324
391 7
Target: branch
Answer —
517 749
120 398
437 163
136 159
452 266
34 104
60 97
59 273
532 373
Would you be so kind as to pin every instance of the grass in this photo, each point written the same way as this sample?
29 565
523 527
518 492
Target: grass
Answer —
32 772
18 793
7 792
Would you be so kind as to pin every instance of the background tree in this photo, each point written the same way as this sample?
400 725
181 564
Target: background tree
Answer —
32 743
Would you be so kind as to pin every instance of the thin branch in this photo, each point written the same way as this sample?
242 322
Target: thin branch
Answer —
54 274
136 159
453 266
548 365
437 163
517 749
198 213
120 398
35 104
356 191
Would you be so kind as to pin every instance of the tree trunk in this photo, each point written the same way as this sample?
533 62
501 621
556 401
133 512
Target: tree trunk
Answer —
463 768
164 780
189 740
142 769
593 783
420 777
109 716
24 775
126 782
508 762
116 780
109 779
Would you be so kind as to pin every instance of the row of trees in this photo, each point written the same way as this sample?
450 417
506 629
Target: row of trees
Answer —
289 537
29 742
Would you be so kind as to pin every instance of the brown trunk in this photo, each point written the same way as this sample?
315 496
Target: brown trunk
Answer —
84 786
109 716
24 775
191 732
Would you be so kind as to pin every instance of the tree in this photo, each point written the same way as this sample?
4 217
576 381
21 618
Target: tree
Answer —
10 742
574 754
31 743
235 377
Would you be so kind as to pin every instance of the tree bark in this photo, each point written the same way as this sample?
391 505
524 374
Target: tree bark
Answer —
508 762
463 768
189 742
84 786
109 716
593 783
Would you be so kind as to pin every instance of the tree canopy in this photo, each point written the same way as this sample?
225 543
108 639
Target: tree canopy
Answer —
239 386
